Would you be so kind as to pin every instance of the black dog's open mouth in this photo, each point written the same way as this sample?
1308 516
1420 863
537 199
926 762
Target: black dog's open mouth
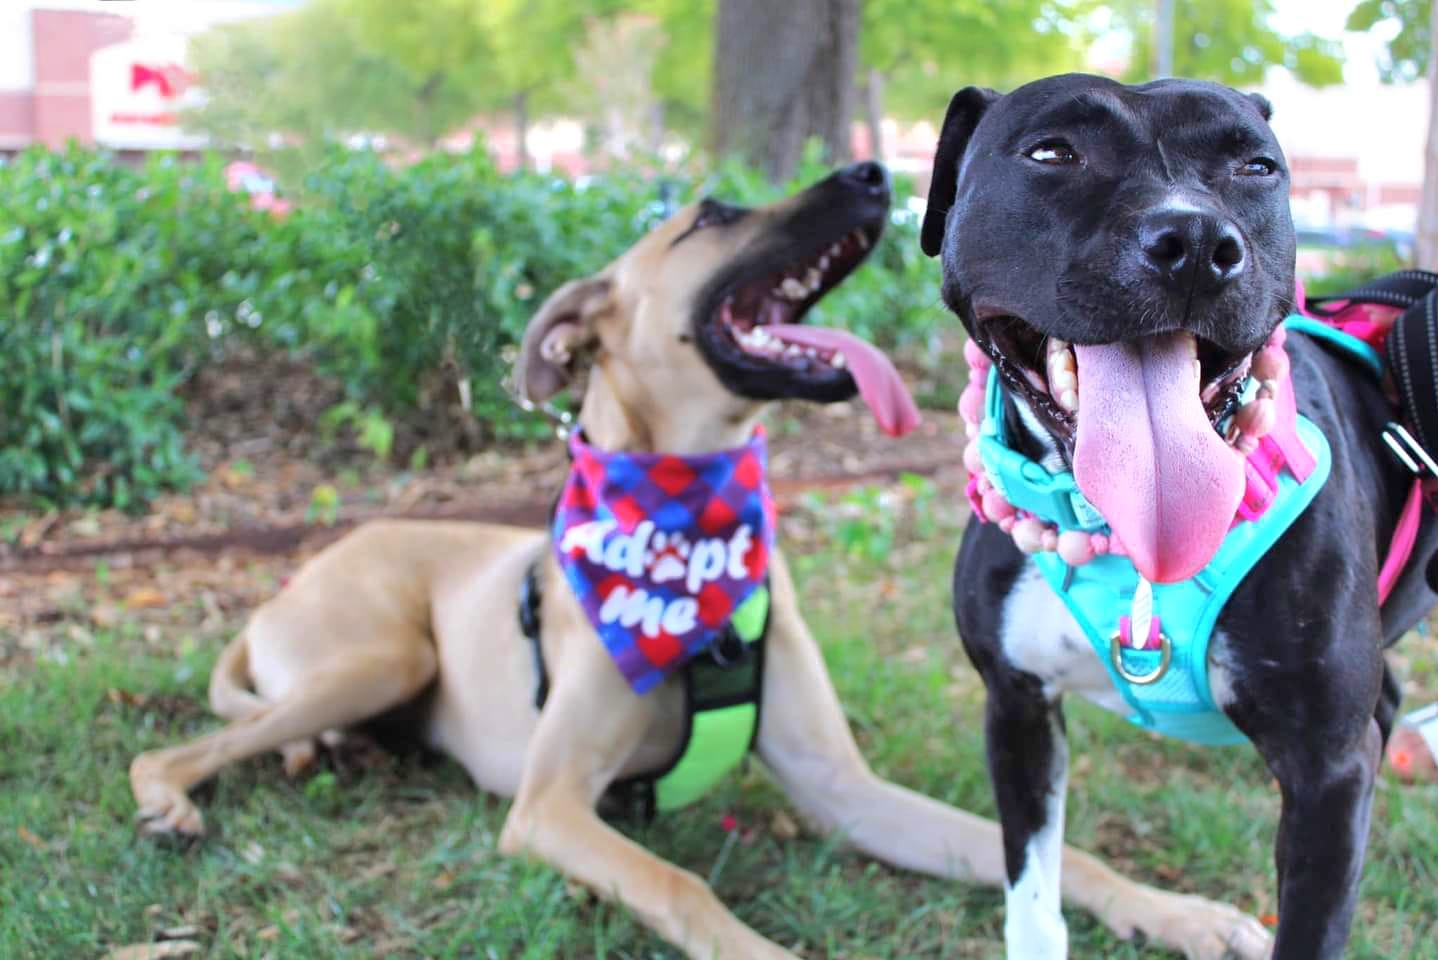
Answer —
1045 371
782 297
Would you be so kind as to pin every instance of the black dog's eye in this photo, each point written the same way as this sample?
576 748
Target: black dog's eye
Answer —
1054 153
1258 167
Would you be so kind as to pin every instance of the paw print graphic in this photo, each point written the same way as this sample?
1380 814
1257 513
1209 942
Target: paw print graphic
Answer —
667 556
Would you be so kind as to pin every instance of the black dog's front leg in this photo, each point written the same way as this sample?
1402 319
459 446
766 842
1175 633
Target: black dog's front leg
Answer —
1027 752
1311 703
1028 764
1327 791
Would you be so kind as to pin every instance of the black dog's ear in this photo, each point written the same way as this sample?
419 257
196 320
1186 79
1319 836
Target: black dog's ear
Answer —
965 109
1264 107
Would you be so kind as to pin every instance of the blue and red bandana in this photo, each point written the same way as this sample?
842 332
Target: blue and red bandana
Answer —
661 549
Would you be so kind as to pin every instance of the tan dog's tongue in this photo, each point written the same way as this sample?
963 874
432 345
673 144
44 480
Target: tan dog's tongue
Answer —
1147 457
879 383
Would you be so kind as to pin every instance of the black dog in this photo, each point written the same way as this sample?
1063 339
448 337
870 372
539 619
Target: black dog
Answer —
1142 220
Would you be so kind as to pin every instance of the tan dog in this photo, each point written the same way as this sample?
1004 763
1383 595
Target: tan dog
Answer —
397 609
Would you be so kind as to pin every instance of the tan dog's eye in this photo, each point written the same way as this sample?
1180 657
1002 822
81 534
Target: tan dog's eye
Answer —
714 213
1056 153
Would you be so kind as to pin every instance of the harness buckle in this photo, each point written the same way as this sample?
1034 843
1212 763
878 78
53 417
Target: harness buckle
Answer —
1408 450
729 649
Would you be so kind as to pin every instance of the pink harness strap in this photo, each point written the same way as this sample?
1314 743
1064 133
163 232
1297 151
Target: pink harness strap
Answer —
1371 323
1400 548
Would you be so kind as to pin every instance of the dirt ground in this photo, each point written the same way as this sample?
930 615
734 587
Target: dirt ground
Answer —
275 492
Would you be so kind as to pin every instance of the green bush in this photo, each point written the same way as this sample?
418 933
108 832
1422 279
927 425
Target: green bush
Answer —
106 276
117 285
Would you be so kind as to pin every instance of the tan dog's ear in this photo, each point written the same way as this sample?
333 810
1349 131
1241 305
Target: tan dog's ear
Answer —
561 331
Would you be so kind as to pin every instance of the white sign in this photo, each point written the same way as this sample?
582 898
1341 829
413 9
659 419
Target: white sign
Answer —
137 90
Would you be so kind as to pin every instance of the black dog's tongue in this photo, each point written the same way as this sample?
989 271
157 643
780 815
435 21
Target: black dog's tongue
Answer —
1147 456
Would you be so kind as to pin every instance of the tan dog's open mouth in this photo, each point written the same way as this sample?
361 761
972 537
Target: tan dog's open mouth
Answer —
754 337
753 310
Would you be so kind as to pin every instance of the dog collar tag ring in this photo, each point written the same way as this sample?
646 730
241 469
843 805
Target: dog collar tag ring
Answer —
1138 631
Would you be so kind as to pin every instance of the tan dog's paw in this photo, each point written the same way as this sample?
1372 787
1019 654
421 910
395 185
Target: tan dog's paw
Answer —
299 757
1203 929
163 807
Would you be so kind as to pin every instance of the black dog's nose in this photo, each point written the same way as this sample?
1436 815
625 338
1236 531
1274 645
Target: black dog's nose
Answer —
869 175
1186 247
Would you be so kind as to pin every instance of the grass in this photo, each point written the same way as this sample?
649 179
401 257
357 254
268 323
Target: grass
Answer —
397 857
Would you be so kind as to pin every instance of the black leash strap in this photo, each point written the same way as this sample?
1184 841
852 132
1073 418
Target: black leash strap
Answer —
1412 347
530 598
1412 343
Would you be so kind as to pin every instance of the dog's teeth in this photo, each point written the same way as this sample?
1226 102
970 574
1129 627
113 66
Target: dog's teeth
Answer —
1068 400
838 362
1063 380
837 248
814 278
793 289
863 240
1197 370
1057 346
824 262
1191 342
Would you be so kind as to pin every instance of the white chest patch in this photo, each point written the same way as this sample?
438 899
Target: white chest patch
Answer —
1039 636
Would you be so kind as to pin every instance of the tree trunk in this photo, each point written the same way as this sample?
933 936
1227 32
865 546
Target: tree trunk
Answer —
1428 213
521 129
1163 39
784 72
874 113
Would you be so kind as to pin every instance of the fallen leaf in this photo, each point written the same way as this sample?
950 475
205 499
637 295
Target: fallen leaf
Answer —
104 615
444 881
269 933
184 932
34 531
154 951
783 826
30 838
126 698
146 598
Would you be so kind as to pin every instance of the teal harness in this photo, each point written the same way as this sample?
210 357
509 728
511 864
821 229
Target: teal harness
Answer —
1163 677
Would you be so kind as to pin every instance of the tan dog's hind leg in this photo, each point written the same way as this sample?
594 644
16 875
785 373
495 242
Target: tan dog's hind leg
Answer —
231 699
806 742
590 726
351 686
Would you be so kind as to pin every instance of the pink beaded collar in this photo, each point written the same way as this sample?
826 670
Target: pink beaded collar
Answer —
1263 431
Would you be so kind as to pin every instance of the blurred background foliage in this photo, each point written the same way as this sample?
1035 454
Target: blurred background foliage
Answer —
408 286
407 265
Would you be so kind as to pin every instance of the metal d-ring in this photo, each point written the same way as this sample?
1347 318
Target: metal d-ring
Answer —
1141 679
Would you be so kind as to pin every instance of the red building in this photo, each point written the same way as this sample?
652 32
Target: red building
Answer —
107 73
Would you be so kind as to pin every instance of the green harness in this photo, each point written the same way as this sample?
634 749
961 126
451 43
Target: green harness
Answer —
722 693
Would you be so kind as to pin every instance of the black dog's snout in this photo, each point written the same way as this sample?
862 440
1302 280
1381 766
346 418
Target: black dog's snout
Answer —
868 175
1191 247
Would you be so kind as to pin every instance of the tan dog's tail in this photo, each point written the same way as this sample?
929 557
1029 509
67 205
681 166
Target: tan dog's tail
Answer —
230 696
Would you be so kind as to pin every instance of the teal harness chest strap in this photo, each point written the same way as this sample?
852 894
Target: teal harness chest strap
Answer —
723 689
1165 683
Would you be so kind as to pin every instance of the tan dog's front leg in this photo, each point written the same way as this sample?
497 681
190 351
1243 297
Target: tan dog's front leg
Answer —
590 726
806 742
